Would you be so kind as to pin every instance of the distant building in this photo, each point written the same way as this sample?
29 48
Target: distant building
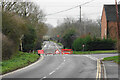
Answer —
109 21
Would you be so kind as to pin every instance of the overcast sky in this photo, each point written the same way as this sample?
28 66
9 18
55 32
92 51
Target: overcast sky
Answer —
92 10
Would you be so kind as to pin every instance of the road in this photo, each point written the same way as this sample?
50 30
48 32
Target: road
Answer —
59 66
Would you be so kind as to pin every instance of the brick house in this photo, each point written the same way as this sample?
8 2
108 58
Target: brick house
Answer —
109 22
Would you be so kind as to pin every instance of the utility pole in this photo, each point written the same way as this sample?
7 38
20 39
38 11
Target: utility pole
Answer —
117 17
118 27
80 13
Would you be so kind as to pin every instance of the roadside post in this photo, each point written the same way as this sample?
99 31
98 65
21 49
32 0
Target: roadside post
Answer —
83 46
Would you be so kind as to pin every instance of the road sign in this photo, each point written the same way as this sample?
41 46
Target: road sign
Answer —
40 51
57 35
57 52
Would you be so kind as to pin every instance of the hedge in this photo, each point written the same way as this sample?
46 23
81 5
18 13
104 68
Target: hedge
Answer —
92 44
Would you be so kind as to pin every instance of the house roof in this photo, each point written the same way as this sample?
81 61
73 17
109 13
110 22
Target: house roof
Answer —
110 11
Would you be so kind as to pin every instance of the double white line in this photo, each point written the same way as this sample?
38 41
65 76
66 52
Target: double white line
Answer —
101 72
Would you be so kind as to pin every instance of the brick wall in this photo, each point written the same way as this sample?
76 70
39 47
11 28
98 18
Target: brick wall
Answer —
103 25
112 29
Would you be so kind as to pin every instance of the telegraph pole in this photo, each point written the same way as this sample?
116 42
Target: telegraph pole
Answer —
80 13
118 26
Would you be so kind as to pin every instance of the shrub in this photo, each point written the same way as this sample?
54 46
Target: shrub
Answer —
8 48
77 44
13 27
68 38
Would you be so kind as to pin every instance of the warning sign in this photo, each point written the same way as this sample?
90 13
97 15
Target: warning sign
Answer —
57 52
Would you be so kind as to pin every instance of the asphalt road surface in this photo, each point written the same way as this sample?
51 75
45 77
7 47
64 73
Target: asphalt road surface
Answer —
60 66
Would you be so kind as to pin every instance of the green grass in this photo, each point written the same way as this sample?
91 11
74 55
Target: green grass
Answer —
18 61
60 44
114 58
94 52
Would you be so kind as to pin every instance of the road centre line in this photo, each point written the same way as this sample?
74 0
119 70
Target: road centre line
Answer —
98 74
56 68
42 57
51 72
44 77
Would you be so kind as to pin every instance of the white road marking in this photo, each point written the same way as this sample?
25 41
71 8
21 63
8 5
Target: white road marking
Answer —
91 57
44 77
44 46
57 67
98 74
23 68
51 72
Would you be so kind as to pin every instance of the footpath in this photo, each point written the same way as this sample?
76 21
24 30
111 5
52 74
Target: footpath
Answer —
112 70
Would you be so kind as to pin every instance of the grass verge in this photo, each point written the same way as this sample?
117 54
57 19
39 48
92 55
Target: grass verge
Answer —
20 60
94 52
116 59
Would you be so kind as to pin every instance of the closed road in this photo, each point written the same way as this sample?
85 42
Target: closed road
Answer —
61 66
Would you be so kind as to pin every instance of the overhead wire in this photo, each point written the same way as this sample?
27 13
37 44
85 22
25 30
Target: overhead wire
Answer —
69 8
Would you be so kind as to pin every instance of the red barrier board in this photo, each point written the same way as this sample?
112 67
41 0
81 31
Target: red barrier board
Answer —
66 51
40 51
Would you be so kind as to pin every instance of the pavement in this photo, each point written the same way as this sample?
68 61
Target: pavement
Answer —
64 67
111 69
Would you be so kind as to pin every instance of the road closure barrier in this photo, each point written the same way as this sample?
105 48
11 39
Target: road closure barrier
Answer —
67 51
40 51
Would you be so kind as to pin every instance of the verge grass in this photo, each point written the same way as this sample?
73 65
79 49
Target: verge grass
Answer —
18 61
94 52
116 59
